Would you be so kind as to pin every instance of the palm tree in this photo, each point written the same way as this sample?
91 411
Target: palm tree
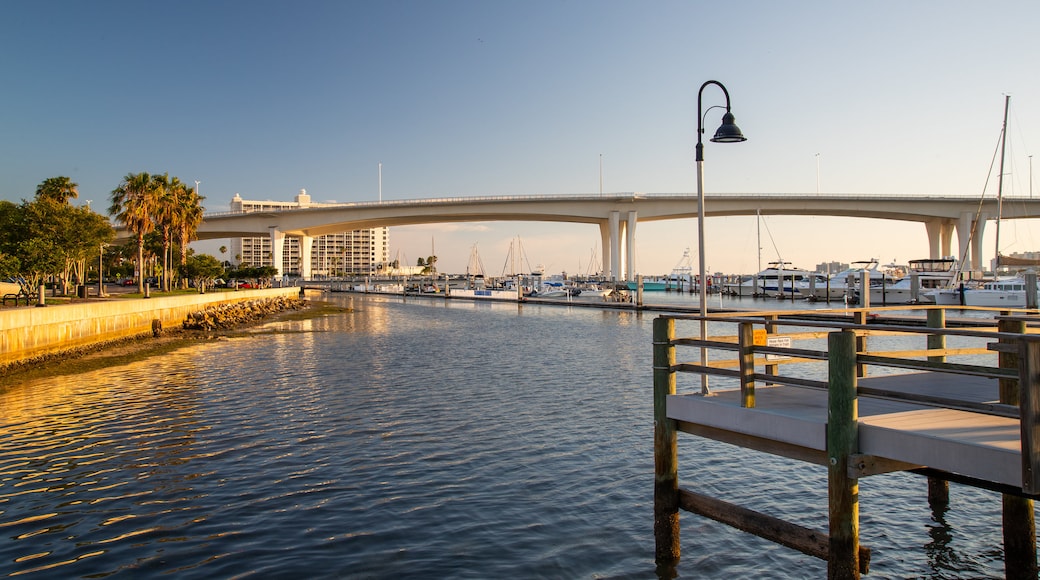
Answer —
189 212
165 218
133 203
59 189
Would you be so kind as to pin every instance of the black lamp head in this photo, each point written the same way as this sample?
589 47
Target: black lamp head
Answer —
728 132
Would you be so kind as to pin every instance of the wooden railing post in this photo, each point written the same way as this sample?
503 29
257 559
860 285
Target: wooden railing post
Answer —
842 442
1019 522
770 324
666 469
747 364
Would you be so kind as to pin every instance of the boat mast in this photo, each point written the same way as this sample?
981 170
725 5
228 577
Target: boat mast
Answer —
758 235
1000 179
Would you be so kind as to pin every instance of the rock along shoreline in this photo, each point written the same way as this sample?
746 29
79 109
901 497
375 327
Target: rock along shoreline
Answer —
212 323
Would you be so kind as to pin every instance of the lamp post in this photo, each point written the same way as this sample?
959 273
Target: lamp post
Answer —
728 132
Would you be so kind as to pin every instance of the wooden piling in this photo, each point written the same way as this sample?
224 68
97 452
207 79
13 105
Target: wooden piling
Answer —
747 364
666 468
842 442
1018 517
938 489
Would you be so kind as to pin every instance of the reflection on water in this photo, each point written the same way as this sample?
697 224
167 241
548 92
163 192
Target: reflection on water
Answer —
417 438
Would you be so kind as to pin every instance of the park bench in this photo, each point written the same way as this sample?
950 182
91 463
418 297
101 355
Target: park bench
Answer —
16 291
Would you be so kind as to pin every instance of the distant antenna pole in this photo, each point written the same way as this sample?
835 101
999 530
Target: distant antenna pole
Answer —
1030 177
601 174
380 182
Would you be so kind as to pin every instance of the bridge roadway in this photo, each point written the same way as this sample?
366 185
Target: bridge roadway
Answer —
617 215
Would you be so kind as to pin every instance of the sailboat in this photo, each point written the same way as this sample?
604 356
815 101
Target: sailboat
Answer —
1007 292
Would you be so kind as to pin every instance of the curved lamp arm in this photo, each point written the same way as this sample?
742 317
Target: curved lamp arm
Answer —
728 132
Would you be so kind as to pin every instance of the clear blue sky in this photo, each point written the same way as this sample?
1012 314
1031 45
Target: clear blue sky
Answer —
462 98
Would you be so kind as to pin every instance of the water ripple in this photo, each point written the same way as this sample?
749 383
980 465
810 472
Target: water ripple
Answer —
411 439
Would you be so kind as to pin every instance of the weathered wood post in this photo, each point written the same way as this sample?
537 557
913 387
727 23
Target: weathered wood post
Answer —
746 341
1019 523
770 324
842 441
938 489
1031 289
666 469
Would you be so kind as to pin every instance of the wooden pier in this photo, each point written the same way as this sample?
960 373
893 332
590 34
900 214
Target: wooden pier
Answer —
969 415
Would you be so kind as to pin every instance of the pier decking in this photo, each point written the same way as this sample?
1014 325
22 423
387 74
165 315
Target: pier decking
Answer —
960 442
968 415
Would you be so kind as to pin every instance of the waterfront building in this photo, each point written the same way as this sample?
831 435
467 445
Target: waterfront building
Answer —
345 253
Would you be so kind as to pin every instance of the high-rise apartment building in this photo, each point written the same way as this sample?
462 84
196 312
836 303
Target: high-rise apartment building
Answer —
358 252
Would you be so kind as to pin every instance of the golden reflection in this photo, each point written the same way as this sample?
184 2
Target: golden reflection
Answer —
28 520
28 557
57 564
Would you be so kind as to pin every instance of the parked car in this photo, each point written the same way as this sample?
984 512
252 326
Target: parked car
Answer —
128 282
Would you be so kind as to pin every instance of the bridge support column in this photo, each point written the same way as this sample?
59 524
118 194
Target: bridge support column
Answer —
630 246
604 248
277 249
940 237
969 238
615 245
306 251
976 244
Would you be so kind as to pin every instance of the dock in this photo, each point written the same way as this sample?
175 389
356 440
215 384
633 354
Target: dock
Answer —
858 399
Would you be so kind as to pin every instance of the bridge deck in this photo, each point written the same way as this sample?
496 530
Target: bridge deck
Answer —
973 444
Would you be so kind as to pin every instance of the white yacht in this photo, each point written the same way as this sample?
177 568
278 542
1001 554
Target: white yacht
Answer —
781 280
1004 292
836 287
932 274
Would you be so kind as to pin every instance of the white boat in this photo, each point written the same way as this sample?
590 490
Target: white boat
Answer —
932 275
1005 292
837 286
556 290
779 279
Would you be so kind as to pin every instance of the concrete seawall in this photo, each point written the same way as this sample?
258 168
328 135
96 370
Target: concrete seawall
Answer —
28 333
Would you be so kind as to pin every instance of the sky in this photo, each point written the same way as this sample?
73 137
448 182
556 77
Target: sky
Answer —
534 97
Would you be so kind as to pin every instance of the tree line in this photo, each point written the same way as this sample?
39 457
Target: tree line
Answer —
48 238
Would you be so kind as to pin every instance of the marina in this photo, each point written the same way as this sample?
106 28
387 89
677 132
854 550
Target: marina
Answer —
345 446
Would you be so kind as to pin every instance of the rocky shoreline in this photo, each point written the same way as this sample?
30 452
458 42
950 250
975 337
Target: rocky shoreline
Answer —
228 316
124 350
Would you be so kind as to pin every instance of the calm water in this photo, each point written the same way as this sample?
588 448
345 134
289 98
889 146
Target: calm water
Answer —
413 439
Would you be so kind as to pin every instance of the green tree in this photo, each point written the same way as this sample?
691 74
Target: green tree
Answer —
133 204
10 266
201 269
59 189
39 257
74 232
92 232
11 226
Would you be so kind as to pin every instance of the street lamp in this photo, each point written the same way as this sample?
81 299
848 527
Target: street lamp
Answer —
728 132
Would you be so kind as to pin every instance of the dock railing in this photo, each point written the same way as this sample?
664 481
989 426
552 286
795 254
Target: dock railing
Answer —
778 348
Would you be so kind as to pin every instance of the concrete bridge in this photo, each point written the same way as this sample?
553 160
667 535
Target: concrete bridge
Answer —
617 215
